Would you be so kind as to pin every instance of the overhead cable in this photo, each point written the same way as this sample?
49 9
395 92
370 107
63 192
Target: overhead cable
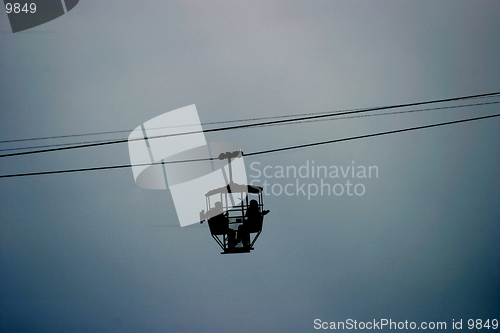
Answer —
259 152
257 124
215 122
290 123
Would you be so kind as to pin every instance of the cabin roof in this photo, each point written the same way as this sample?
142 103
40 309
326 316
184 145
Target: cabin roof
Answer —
235 188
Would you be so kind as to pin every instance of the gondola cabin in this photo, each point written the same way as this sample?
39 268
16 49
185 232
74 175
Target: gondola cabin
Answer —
235 226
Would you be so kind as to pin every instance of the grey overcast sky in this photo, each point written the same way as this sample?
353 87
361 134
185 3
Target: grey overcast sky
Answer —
92 252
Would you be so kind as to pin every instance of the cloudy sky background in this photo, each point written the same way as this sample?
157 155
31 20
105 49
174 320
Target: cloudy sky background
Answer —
92 252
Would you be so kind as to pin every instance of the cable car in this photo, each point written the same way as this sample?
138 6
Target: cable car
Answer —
234 227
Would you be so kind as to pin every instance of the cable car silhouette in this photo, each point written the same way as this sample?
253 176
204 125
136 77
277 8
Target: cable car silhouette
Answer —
235 228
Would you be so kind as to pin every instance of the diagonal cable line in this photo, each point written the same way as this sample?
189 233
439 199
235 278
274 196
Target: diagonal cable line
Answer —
372 135
383 114
262 151
258 124
209 123
177 126
285 123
